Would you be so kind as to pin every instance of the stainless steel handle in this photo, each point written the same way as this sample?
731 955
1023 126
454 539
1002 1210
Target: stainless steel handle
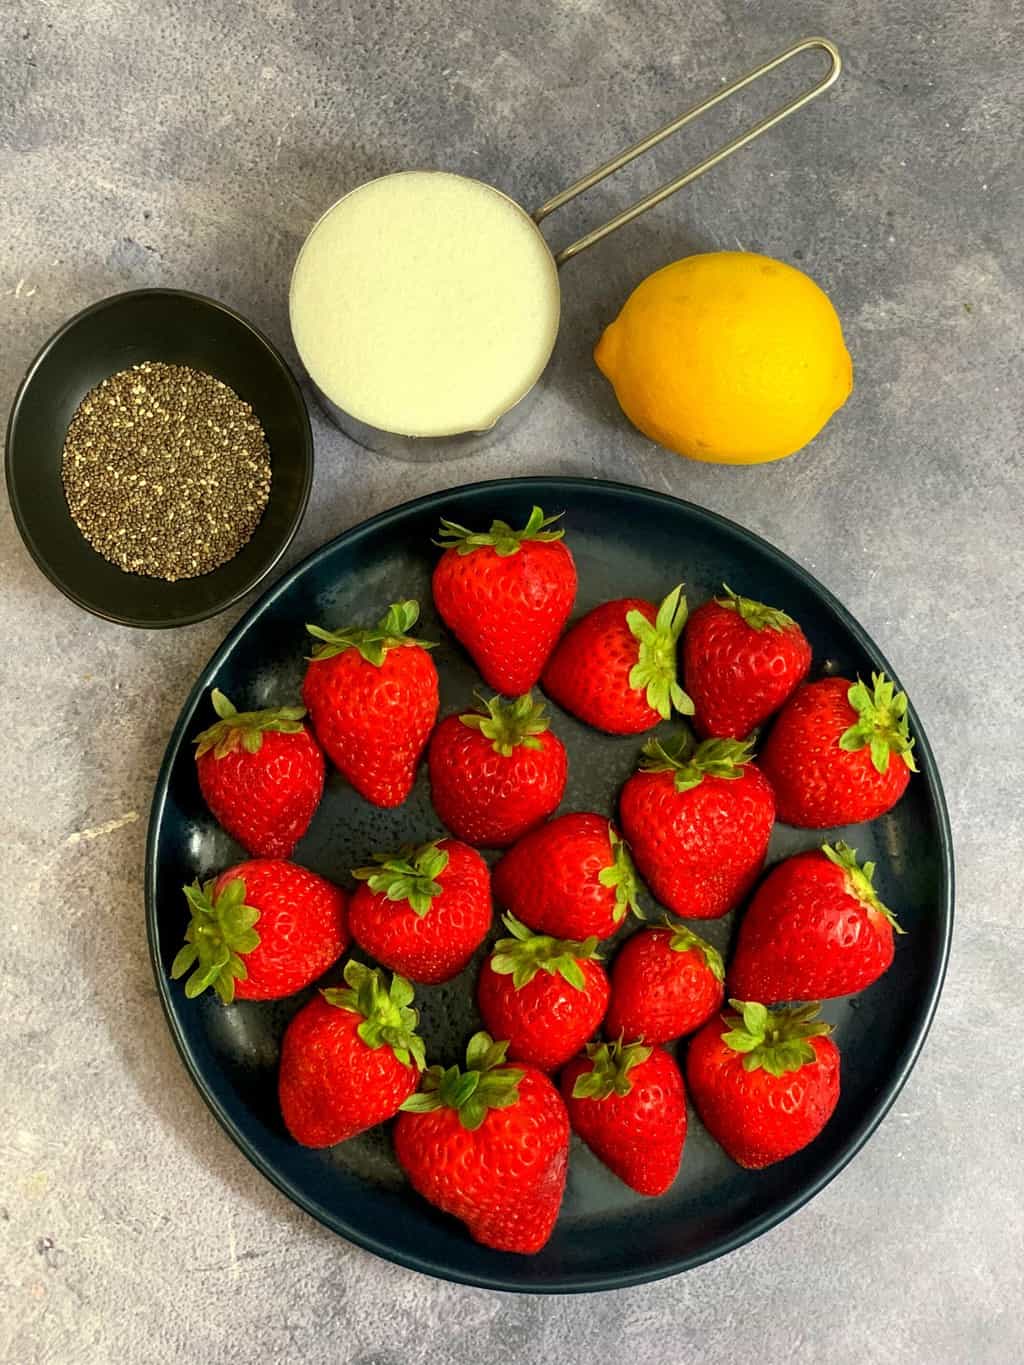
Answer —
631 153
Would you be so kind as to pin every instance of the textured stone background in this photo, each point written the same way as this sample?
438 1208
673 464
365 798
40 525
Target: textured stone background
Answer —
194 145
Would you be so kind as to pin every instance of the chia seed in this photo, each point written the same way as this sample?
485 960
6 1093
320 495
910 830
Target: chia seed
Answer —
166 471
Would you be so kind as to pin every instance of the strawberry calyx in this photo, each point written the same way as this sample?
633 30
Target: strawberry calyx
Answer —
372 642
236 729
684 940
525 954
621 874
725 758
755 614
220 930
501 537
509 724
388 1019
859 879
410 875
486 1083
881 723
611 1064
774 1040
655 669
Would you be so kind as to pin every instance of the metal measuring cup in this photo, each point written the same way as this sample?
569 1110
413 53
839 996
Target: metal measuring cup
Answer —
425 448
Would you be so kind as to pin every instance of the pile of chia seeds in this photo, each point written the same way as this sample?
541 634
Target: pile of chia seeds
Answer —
166 470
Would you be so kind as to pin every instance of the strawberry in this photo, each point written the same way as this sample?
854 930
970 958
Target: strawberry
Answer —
765 1082
349 1058
616 668
572 878
628 1104
423 911
489 1145
828 755
815 929
506 595
262 930
372 697
698 824
666 982
741 661
497 772
261 774
546 995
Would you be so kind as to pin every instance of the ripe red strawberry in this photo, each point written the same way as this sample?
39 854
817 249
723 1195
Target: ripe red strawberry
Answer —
349 1058
765 1082
815 929
497 772
260 931
828 755
423 911
666 982
546 995
489 1145
741 661
628 1104
506 595
372 697
571 878
616 668
698 824
261 774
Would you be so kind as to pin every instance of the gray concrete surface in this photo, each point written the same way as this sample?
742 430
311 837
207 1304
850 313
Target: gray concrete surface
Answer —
193 145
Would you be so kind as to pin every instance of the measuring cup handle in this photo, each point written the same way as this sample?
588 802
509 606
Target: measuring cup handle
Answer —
638 149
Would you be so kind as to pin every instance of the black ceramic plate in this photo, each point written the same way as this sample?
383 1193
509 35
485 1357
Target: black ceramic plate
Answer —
177 328
626 541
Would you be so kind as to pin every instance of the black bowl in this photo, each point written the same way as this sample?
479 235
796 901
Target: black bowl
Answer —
627 541
176 328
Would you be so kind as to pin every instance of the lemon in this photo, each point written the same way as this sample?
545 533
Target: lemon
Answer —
729 356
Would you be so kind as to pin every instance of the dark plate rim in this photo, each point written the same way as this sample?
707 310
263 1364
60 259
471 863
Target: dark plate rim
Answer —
567 1284
23 522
